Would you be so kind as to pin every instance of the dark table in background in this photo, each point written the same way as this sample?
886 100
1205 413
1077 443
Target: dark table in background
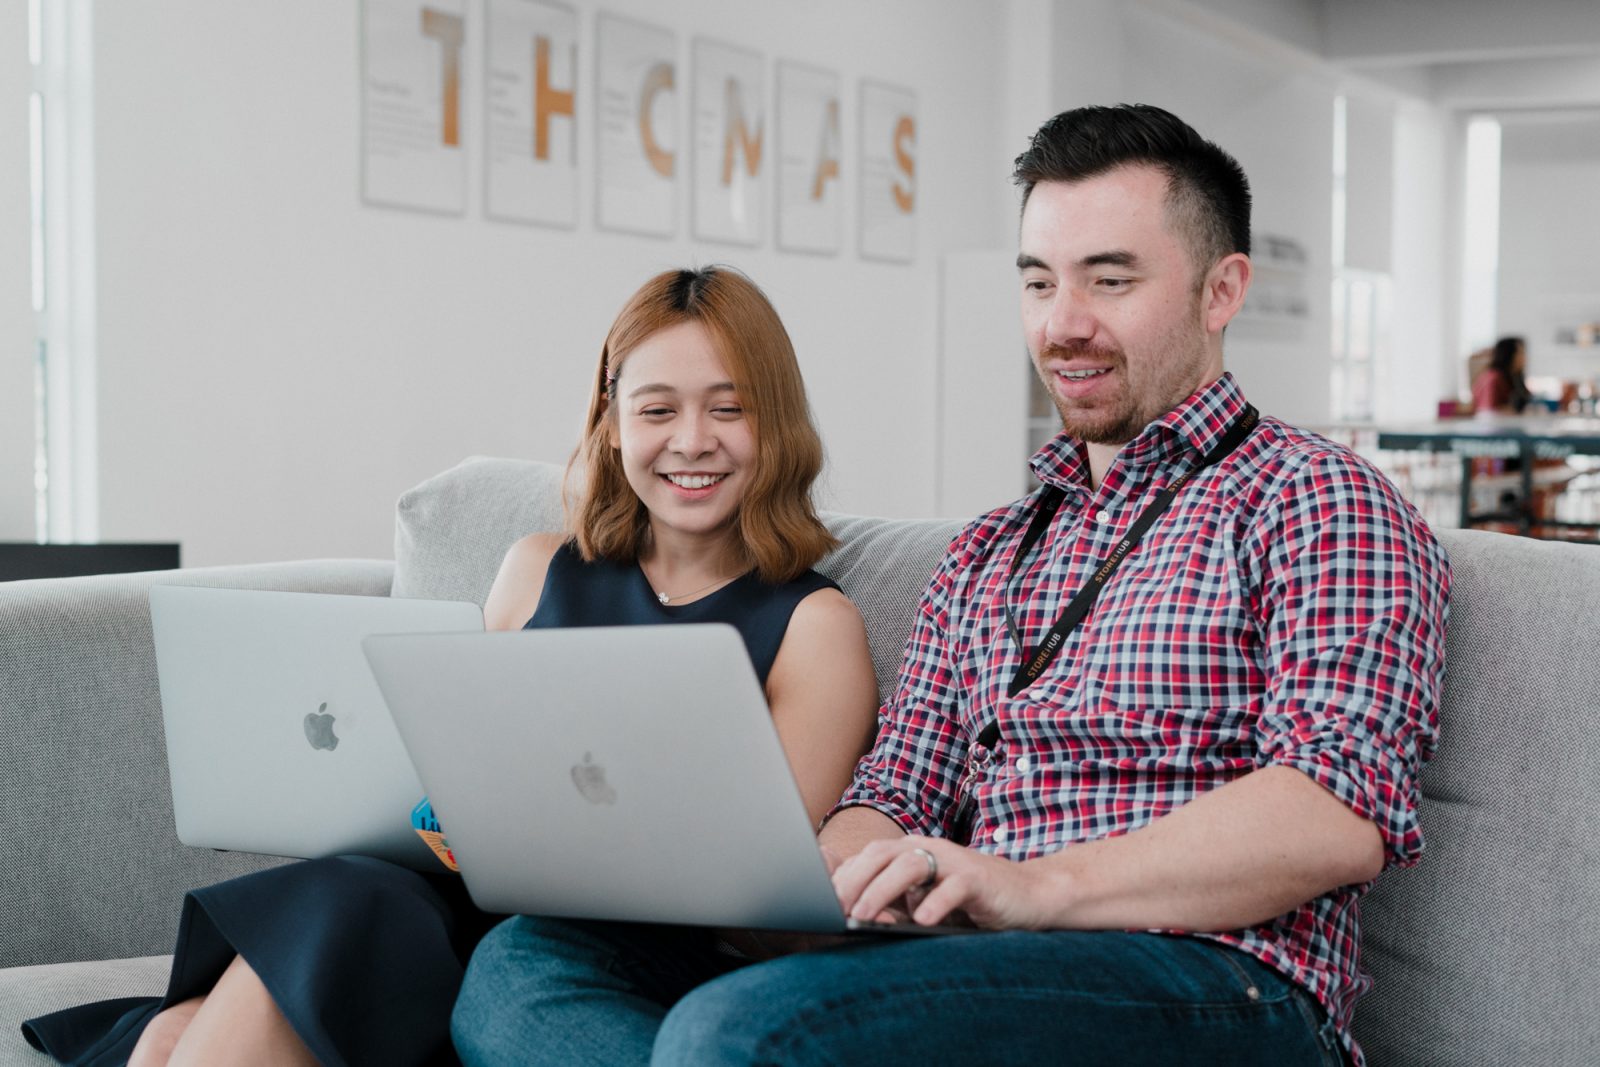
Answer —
1523 437
21 559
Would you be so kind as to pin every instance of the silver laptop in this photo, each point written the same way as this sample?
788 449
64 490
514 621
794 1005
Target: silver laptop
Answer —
278 740
627 773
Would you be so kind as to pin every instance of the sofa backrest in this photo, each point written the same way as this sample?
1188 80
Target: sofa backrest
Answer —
92 869
1482 954
452 530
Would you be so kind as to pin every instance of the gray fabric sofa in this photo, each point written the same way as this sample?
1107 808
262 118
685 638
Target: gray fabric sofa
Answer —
1483 954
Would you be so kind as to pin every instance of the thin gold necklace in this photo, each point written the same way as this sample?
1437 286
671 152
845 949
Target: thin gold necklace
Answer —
667 598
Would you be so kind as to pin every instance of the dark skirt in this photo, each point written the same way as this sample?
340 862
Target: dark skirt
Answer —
363 957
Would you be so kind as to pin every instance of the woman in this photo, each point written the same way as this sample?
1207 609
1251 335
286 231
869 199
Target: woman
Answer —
698 461
1500 388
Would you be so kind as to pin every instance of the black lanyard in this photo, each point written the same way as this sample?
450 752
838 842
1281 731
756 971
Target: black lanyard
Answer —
1034 664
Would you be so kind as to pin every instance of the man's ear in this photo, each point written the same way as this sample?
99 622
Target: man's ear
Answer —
1225 286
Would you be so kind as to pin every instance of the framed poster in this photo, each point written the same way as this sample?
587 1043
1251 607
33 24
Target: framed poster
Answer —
809 163
888 217
531 120
637 135
411 121
730 123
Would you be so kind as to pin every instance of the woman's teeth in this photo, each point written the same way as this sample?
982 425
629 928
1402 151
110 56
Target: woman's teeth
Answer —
694 481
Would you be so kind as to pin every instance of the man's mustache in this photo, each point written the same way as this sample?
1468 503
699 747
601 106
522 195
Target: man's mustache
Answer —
1080 349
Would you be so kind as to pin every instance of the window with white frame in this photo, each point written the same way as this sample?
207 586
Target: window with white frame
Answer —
61 173
1360 303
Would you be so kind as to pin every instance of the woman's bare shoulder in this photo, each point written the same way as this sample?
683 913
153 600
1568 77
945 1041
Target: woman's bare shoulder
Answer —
515 595
825 624
827 607
535 550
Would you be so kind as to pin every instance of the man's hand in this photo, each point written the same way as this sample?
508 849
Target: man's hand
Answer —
888 880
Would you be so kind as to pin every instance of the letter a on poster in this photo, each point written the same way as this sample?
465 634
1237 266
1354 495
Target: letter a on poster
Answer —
413 151
532 101
810 162
888 172
638 127
730 143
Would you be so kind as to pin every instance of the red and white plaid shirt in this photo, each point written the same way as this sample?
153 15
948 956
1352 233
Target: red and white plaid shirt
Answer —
1287 610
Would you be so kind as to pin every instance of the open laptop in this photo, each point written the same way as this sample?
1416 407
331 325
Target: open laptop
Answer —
278 740
626 773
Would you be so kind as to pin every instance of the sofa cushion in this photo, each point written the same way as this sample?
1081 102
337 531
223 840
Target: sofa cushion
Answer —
452 530
1484 952
27 992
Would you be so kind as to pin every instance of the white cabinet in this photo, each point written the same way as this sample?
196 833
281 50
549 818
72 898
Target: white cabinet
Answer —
984 429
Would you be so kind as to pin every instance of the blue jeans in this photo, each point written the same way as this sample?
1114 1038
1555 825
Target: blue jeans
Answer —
556 991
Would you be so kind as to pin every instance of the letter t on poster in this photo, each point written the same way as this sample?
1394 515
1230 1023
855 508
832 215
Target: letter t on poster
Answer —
637 130
532 101
888 221
411 104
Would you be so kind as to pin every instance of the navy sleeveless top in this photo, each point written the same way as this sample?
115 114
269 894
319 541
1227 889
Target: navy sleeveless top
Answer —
608 593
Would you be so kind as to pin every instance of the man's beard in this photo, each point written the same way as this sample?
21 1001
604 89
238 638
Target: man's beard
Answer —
1135 404
1099 426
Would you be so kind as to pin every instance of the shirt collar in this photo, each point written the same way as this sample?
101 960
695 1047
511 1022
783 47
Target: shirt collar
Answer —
1198 424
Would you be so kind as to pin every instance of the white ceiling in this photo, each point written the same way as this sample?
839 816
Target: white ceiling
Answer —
1480 56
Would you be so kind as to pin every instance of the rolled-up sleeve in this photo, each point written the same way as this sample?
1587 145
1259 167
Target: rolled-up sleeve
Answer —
1353 593
914 767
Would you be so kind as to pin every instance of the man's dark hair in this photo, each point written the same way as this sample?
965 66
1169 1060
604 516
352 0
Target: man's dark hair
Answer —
1208 196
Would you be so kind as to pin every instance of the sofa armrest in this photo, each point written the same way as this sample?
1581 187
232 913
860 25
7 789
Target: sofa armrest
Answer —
91 868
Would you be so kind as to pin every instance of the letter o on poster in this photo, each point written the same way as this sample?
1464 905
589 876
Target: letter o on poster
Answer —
888 214
637 136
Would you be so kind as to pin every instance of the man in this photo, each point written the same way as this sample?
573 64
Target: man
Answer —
1227 744
1171 796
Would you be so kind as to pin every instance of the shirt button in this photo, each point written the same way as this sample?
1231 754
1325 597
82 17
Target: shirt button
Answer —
1102 516
999 833
1023 765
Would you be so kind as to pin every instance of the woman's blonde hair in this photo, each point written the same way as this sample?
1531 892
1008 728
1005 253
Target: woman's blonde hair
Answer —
776 524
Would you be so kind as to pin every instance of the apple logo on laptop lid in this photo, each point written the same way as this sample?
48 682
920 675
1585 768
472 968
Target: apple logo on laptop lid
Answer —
319 729
590 778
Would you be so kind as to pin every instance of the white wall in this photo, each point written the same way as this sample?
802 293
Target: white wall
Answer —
1395 30
1549 237
1270 103
1423 360
1369 182
1492 85
278 361
16 312
1296 22
984 367
1274 113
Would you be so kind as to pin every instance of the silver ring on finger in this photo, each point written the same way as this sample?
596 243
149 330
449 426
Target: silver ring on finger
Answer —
933 867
